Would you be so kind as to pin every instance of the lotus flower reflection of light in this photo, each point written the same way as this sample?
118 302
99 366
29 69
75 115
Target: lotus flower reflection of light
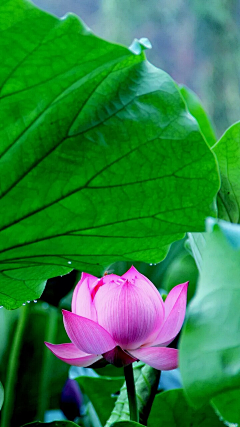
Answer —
121 319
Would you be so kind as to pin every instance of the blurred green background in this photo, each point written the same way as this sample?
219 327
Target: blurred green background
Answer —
195 41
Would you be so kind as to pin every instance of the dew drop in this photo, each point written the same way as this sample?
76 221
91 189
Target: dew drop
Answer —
24 303
69 262
35 301
150 264
1 306
28 302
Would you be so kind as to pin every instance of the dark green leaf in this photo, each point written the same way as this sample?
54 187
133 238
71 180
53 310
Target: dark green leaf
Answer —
100 161
170 409
40 376
110 371
210 342
182 269
53 424
227 151
195 107
1 395
227 406
101 391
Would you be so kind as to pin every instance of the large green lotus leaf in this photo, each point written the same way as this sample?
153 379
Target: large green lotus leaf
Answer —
227 151
22 284
195 107
171 409
100 160
210 342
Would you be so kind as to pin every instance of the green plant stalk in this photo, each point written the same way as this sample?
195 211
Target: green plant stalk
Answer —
50 334
131 392
13 368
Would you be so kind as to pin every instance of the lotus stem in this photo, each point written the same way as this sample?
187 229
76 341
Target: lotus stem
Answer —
50 334
131 392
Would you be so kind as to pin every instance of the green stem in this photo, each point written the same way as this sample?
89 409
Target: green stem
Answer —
13 368
131 392
44 389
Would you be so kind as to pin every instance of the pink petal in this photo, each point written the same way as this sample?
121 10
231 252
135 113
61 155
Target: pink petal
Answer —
70 354
82 303
133 274
130 310
119 357
175 310
162 358
103 281
86 334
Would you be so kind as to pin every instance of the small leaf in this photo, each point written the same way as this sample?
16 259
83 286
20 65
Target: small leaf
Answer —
182 269
140 45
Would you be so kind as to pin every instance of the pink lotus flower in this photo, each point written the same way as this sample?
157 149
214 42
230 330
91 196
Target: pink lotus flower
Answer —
121 319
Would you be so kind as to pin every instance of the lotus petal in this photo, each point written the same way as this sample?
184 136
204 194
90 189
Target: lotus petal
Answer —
70 354
175 309
86 334
82 303
162 358
130 310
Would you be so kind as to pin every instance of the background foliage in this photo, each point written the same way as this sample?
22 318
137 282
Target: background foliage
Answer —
103 166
